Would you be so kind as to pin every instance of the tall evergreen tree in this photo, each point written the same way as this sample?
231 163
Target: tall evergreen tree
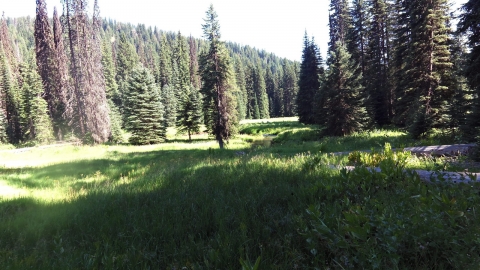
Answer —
169 101
61 80
469 24
144 107
89 107
165 64
218 83
341 109
423 97
377 77
10 93
181 59
127 59
289 89
261 93
50 66
111 91
194 77
36 124
309 82
242 90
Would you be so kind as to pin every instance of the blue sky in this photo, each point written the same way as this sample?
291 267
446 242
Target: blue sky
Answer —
277 26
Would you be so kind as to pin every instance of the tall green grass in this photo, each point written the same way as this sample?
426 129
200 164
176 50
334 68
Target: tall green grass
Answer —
192 206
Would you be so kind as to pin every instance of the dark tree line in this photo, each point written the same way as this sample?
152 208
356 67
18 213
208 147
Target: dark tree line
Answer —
392 62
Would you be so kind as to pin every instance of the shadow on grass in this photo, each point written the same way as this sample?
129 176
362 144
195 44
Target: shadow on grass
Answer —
272 128
209 209
194 140
112 168
194 209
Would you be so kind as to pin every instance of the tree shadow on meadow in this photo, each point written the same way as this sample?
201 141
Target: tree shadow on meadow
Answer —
110 168
199 212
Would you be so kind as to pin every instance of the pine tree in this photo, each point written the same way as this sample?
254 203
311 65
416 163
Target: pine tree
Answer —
309 82
218 83
343 105
423 91
111 89
242 90
190 113
111 86
261 93
61 81
89 108
194 77
377 78
165 64
169 101
127 59
289 89
469 23
10 93
142 100
36 124
341 109
50 66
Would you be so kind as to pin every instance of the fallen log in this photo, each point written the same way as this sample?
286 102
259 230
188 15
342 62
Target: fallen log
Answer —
441 150
436 176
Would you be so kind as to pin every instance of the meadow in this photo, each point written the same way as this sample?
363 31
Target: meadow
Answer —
284 204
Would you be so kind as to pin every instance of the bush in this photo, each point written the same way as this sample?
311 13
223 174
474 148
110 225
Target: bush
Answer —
390 219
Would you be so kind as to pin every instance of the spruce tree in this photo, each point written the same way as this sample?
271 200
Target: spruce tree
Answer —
342 101
127 59
218 83
111 91
376 75
423 89
309 82
145 110
36 124
10 93
169 101
190 113
469 24
261 93
194 77
165 64
242 90
289 89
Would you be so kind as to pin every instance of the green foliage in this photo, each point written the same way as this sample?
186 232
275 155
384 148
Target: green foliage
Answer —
11 98
190 113
391 219
379 159
36 124
116 123
145 110
111 86
341 100
469 24
309 81
169 101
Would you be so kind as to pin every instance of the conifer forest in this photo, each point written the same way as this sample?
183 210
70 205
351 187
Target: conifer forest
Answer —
389 63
